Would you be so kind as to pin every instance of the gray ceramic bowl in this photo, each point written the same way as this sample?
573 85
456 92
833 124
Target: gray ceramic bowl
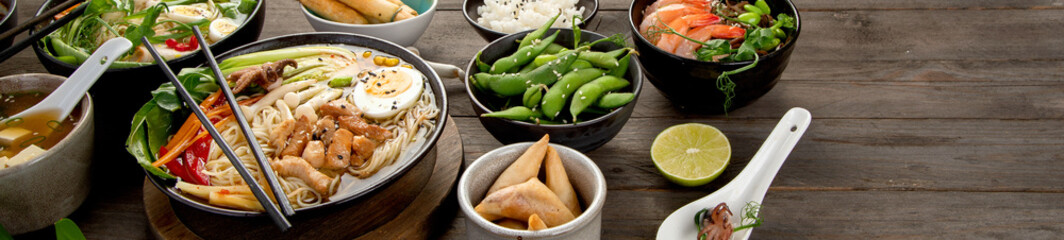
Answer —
36 194
405 32
585 176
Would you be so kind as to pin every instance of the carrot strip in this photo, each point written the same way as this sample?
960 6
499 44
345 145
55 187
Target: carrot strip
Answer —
184 144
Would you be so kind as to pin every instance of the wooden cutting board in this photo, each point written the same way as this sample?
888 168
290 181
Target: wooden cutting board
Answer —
414 222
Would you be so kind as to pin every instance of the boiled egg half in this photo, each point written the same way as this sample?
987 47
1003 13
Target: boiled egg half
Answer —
188 13
383 92
220 28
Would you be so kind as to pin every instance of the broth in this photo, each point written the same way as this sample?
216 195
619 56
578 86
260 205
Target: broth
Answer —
44 131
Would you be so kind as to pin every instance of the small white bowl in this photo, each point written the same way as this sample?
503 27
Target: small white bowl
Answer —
587 180
405 32
36 194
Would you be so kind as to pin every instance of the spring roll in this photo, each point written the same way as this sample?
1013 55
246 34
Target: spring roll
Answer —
335 10
522 200
526 166
536 223
558 181
380 10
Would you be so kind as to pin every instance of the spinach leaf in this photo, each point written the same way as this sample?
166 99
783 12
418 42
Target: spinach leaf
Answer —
246 6
65 229
785 21
715 47
153 123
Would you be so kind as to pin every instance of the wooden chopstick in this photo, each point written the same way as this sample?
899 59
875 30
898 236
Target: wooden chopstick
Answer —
35 36
267 170
260 194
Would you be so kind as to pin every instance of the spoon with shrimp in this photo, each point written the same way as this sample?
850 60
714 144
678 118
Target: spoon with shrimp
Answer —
60 102
750 185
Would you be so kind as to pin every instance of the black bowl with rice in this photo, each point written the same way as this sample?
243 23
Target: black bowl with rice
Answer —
489 17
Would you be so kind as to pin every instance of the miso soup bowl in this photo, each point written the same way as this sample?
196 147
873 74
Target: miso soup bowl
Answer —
587 180
37 193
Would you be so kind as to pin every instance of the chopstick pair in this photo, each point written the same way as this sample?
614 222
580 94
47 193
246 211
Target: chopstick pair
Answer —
272 209
18 46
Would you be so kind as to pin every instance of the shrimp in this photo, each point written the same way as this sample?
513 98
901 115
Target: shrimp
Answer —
668 14
669 42
705 33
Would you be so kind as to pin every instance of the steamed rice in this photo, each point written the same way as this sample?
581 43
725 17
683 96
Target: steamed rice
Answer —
510 16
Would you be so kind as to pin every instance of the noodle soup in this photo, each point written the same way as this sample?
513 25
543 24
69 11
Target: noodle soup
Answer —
334 120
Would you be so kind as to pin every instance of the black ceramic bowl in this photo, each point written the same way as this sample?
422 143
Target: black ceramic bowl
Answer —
352 191
407 159
10 19
583 136
121 91
691 84
469 9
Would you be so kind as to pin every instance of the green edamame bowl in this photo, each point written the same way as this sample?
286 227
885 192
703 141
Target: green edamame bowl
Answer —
583 136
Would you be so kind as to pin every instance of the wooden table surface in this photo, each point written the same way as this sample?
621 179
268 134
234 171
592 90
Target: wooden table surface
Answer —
932 119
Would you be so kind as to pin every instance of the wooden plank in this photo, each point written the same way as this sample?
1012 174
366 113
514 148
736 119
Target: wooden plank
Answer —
845 154
850 215
833 5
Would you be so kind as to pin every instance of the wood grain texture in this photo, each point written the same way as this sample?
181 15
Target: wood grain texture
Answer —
834 5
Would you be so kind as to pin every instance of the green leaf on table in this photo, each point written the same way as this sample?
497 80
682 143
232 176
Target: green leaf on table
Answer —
65 229
4 235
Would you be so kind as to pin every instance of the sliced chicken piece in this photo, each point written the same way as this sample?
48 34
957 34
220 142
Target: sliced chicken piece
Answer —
359 126
300 137
291 166
339 152
281 133
361 149
264 75
325 129
314 153
340 108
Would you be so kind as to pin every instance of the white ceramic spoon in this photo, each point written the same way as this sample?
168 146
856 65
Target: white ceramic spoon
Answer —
750 185
61 101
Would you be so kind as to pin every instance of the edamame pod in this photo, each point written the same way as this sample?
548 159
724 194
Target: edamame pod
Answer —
554 48
483 67
538 33
614 100
508 85
523 56
581 64
610 83
559 93
519 113
621 69
543 59
584 97
533 95
600 59
527 68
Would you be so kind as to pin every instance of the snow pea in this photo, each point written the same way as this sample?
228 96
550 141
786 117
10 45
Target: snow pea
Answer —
519 113
523 56
614 100
559 94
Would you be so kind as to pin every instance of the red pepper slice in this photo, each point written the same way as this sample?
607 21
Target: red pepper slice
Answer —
195 159
191 45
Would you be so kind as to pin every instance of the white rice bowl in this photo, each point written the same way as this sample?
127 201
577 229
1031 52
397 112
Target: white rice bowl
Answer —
510 16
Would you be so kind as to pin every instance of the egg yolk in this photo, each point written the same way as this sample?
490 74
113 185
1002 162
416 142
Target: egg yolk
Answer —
387 84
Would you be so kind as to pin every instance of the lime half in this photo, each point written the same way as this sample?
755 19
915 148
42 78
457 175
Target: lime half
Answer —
691 154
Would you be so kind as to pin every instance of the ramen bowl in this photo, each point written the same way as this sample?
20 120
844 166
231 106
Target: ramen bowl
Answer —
404 32
356 198
586 177
122 90
584 136
37 193
469 9
692 84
